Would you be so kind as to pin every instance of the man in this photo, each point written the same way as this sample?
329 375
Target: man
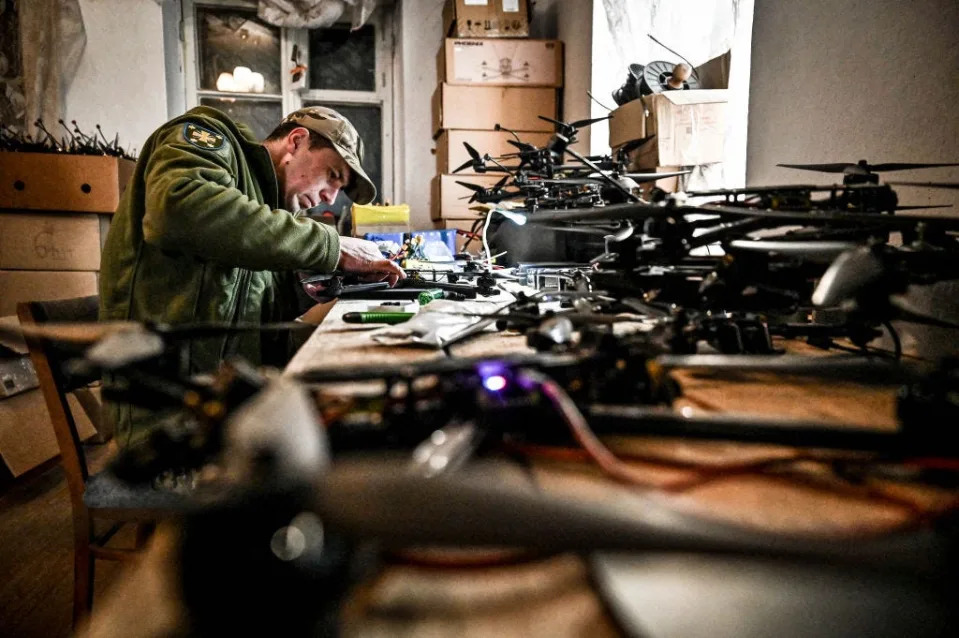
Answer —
208 230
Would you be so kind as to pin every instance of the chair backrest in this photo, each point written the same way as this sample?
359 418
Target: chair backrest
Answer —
49 359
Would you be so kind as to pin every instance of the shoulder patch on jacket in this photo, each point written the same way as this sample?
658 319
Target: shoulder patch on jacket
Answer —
201 137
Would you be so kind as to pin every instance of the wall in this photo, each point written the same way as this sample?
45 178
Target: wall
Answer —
844 80
419 32
120 83
574 27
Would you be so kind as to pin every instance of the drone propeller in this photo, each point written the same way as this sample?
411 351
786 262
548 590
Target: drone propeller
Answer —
476 161
524 147
572 126
652 177
371 500
825 216
821 251
862 167
952 185
488 195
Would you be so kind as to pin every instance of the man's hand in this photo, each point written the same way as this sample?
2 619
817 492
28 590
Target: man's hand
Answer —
364 258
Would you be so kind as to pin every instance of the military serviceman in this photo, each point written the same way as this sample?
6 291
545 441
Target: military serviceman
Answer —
208 230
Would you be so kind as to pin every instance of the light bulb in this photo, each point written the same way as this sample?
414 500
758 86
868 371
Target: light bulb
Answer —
225 82
258 84
242 79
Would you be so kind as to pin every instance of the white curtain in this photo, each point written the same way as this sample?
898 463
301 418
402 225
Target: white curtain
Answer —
314 14
52 38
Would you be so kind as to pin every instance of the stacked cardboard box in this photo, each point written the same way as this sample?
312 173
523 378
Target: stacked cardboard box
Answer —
682 128
491 75
54 214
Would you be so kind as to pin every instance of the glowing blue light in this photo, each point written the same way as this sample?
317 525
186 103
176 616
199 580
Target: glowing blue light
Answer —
494 383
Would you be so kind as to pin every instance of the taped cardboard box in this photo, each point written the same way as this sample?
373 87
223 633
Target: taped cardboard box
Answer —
483 107
26 433
49 241
40 285
628 123
486 18
54 181
451 154
450 200
497 62
689 127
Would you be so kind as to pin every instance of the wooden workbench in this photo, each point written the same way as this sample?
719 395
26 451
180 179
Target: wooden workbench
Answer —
553 596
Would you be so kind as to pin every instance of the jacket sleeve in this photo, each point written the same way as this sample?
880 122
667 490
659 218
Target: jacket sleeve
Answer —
193 206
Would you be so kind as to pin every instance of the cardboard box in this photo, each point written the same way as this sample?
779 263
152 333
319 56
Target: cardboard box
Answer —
449 200
53 181
497 62
483 107
451 154
40 285
49 241
486 18
16 374
628 123
26 433
714 73
689 127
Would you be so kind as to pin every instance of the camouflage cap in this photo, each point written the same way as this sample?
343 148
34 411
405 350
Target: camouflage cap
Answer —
344 138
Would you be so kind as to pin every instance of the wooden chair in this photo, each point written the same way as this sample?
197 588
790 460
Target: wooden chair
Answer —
94 498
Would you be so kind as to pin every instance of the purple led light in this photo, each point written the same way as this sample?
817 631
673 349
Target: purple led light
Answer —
494 383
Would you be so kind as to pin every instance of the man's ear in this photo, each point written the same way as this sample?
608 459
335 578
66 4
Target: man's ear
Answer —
297 138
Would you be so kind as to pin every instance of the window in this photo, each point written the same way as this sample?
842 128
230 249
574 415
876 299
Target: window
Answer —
348 71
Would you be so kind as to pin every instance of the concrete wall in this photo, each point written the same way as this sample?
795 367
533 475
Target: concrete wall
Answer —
844 80
574 26
120 83
419 31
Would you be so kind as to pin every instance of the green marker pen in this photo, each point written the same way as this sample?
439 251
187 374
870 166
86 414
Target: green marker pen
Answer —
378 317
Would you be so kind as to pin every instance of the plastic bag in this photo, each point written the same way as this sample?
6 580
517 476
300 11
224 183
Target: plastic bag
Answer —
434 324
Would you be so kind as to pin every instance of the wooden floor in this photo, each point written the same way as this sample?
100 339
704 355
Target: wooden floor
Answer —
36 555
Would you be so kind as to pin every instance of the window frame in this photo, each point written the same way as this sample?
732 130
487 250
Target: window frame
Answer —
292 99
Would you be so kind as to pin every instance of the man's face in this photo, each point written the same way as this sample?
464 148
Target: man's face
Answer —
311 176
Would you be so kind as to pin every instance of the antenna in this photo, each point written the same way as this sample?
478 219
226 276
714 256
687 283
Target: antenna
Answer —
691 67
597 101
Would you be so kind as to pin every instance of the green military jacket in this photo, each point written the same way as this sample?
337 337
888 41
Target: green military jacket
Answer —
199 236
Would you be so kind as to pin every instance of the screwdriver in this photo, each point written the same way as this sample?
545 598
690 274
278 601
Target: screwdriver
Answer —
378 317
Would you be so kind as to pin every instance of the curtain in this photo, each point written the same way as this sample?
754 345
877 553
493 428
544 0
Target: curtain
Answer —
52 40
314 14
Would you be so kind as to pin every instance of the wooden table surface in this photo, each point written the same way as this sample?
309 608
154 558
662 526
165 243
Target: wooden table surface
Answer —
553 596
